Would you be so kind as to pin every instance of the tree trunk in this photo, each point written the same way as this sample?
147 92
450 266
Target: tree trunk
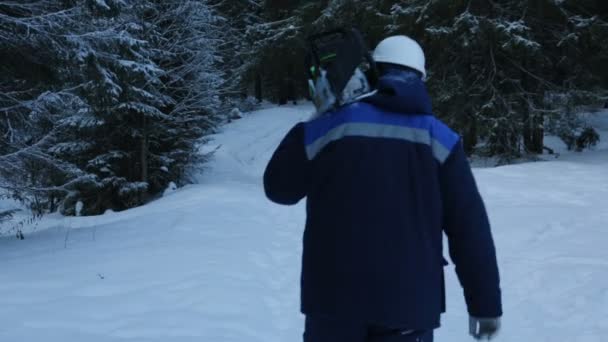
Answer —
470 136
538 133
258 87
144 151
531 120
527 129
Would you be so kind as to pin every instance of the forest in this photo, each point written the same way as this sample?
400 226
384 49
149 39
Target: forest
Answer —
104 103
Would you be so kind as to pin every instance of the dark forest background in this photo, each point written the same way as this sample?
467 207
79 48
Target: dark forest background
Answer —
104 103
501 72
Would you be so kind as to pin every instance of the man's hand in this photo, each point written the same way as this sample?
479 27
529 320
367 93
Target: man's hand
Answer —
484 328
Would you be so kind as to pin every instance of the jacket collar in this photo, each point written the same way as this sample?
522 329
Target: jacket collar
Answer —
402 92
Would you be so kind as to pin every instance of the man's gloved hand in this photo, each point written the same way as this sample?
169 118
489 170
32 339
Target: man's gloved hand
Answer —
484 328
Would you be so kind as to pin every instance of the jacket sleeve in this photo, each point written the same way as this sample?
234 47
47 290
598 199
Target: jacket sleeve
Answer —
287 175
470 240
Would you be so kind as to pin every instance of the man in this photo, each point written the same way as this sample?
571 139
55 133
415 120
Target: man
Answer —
383 179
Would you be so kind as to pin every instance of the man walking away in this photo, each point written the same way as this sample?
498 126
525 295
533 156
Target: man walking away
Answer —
384 179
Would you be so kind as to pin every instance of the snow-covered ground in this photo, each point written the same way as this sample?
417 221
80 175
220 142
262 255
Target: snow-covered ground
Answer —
217 262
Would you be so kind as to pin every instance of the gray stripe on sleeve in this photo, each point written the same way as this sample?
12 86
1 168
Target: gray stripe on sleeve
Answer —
440 152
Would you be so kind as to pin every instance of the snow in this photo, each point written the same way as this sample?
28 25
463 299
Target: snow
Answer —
78 209
598 120
469 21
439 31
581 22
515 30
133 187
71 147
102 4
144 109
149 69
216 261
171 188
108 79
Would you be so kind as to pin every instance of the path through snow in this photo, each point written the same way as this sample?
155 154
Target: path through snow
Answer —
217 262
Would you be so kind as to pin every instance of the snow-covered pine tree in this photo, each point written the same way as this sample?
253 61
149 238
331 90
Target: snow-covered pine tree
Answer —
576 31
194 78
103 101
151 81
265 31
479 57
34 100
496 68
237 55
119 84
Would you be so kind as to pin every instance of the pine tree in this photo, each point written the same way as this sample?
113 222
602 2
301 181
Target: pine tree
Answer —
501 73
105 101
153 85
195 80
34 100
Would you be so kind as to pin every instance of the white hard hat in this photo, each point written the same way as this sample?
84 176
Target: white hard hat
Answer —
401 50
